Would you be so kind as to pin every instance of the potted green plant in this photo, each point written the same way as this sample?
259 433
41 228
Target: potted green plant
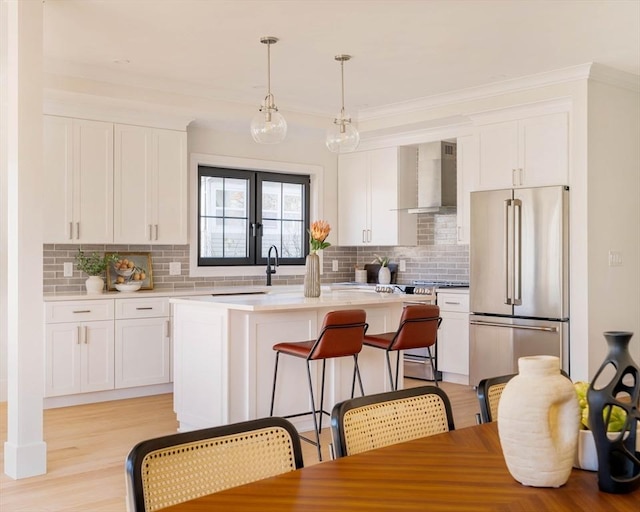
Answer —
586 456
94 265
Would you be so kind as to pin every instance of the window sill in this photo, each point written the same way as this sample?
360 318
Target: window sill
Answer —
283 270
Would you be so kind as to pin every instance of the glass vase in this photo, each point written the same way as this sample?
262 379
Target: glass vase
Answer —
312 276
618 455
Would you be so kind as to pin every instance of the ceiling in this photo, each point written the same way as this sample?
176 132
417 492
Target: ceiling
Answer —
402 50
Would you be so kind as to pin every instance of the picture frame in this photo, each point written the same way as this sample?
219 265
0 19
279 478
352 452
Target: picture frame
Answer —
140 260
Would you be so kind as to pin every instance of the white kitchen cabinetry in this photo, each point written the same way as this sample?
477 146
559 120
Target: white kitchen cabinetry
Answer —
142 342
79 347
467 168
373 188
453 336
528 152
77 180
150 185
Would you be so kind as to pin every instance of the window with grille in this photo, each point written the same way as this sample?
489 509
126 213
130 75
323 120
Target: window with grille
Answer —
243 213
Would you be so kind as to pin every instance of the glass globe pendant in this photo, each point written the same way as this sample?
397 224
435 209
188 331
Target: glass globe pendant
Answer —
268 126
342 137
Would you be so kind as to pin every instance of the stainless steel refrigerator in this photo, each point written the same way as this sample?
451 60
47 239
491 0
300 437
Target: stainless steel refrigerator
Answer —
519 278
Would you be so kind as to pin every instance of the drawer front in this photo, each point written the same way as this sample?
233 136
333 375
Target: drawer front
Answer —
78 311
454 302
142 307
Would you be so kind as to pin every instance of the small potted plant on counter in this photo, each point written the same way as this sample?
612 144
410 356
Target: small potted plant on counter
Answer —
384 274
94 265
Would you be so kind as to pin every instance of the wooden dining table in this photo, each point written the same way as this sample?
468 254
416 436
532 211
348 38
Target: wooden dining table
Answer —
462 470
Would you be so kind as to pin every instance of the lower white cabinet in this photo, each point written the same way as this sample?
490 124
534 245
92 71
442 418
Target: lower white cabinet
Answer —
106 344
142 342
79 354
453 335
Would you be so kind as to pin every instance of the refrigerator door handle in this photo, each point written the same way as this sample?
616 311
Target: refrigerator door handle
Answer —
512 326
507 291
517 253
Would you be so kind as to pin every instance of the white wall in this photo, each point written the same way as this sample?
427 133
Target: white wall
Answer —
614 216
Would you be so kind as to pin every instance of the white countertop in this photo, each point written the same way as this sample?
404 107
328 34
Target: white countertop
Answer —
278 299
190 292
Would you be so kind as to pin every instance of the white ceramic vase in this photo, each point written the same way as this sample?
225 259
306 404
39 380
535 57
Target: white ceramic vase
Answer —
538 423
384 275
94 285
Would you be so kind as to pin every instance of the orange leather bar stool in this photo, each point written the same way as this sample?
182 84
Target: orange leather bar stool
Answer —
342 334
418 329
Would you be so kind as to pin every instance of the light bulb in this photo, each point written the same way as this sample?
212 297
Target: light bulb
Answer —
268 127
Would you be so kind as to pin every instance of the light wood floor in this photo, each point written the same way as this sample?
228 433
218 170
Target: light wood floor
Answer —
87 446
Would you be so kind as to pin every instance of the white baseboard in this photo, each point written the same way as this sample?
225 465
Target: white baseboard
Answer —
106 396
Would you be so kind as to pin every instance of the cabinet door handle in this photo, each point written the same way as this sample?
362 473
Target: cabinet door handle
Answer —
520 175
82 311
364 236
70 230
513 176
150 231
368 235
145 308
86 335
167 324
459 228
452 303
78 335
78 230
156 231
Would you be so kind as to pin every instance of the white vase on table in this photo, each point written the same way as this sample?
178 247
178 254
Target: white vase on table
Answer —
538 422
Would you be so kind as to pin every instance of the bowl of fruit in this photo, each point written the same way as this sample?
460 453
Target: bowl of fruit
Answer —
130 277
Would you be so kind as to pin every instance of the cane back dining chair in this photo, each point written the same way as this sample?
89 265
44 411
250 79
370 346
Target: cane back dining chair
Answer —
179 467
374 421
418 328
489 392
341 335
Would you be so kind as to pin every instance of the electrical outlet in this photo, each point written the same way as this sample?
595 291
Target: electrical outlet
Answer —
403 266
68 269
175 268
334 265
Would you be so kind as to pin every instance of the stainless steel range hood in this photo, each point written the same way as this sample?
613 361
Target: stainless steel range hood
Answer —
437 177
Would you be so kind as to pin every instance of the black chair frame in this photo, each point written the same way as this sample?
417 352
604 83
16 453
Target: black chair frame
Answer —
340 409
394 382
135 458
314 412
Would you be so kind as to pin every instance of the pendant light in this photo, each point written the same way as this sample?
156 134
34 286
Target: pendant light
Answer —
343 136
268 126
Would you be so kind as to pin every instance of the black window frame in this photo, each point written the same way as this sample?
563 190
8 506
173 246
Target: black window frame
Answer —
254 219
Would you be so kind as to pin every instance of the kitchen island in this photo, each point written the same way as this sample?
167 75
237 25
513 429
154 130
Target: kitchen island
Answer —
223 357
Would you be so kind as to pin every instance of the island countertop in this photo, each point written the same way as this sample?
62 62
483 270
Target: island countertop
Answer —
295 300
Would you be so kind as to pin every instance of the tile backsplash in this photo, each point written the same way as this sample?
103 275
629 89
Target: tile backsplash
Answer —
436 257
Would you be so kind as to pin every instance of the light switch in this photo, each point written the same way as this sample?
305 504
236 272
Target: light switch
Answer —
403 266
68 269
334 265
175 268
615 258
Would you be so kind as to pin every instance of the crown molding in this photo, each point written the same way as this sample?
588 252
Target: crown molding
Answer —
569 74
113 110
615 77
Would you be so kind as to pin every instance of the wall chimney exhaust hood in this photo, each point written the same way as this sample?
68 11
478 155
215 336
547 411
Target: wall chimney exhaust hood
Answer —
437 177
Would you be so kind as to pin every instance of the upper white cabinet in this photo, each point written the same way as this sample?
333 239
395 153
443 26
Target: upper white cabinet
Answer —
528 152
78 181
150 181
467 168
373 188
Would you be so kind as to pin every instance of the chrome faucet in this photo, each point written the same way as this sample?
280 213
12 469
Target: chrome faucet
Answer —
269 269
